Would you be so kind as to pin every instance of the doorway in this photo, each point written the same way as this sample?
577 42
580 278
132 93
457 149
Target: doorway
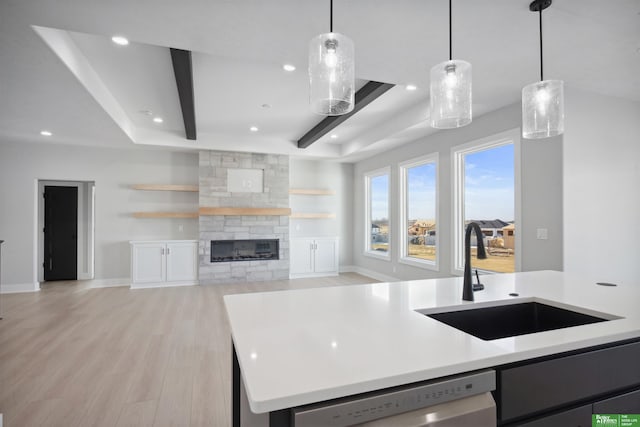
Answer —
65 230
60 233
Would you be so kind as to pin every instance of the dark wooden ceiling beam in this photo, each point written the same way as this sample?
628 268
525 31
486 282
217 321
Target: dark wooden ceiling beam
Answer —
183 71
368 93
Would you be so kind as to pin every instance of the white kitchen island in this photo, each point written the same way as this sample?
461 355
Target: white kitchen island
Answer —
299 347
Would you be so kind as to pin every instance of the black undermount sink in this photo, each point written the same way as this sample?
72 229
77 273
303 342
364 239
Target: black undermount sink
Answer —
513 319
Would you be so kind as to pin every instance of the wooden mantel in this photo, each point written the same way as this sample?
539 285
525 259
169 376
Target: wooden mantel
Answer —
245 211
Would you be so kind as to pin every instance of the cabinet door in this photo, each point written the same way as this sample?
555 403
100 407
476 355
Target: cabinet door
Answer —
628 403
301 254
148 262
326 256
182 261
551 383
578 417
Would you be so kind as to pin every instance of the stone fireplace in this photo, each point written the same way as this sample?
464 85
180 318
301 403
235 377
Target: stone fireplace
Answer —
244 200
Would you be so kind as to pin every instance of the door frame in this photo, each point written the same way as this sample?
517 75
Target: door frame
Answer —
86 227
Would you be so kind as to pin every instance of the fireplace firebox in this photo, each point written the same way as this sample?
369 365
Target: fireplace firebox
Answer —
244 250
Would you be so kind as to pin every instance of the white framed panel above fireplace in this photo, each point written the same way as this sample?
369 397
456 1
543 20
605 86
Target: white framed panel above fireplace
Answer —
245 180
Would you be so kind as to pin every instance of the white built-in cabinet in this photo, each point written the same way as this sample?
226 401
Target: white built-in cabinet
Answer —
313 257
164 263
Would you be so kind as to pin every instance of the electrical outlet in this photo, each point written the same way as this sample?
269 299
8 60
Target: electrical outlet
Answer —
542 234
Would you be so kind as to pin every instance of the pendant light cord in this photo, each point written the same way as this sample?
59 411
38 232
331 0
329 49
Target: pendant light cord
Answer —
540 15
450 38
331 16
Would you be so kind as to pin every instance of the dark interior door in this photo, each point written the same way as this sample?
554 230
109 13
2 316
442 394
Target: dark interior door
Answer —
60 233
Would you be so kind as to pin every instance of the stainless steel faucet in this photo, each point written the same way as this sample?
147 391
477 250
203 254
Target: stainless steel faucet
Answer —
467 287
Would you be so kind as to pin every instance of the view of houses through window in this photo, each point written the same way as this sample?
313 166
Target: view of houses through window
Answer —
489 201
419 214
483 192
378 215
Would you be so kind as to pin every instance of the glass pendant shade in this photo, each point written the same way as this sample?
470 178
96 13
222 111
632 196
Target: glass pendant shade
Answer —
331 74
543 109
451 94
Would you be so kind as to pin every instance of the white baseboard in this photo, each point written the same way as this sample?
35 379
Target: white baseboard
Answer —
368 273
108 283
162 285
15 288
308 275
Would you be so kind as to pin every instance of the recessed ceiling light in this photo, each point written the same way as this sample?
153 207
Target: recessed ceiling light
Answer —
122 41
158 119
334 136
411 87
45 133
288 67
253 129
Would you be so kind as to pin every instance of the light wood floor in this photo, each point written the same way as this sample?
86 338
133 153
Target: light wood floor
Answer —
72 356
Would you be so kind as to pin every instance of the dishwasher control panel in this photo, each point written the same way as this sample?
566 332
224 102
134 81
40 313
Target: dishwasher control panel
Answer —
373 406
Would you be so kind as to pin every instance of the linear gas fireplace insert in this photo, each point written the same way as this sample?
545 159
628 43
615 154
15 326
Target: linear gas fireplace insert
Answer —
244 250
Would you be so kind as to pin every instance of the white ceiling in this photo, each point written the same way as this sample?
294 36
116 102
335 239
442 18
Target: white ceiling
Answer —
92 92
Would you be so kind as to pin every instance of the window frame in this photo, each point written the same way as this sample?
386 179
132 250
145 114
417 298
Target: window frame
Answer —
458 152
403 256
367 196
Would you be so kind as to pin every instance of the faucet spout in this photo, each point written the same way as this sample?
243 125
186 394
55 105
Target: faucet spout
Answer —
467 287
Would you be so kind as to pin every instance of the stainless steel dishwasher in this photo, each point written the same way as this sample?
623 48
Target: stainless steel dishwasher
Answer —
457 401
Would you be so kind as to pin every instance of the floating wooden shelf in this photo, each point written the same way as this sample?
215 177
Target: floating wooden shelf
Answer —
311 191
303 215
246 211
165 214
166 187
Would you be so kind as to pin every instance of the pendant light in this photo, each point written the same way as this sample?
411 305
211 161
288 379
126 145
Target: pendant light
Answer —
450 91
331 72
543 101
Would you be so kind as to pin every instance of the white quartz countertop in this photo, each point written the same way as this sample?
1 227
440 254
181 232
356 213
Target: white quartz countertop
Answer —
303 346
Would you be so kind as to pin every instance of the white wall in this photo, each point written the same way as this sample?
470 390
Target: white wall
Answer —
602 187
113 171
330 176
541 197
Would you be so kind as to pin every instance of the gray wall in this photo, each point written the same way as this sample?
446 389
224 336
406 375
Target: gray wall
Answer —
331 176
542 204
113 171
602 187
597 162
541 197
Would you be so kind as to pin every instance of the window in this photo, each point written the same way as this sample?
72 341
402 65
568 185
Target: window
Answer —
377 210
418 212
485 192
